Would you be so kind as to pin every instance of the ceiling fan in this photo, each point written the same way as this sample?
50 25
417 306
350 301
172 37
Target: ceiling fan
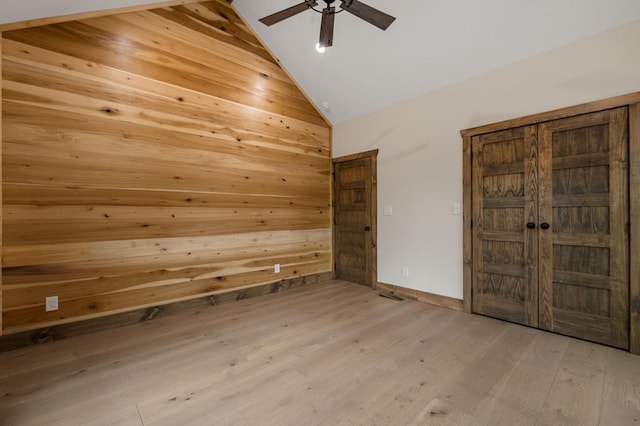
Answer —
361 10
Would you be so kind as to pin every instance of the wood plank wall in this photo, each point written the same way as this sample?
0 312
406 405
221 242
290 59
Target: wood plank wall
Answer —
1 286
151 157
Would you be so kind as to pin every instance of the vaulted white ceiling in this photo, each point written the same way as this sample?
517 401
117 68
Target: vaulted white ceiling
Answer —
431 44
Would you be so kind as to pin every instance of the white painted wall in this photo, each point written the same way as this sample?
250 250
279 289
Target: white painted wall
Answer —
420 159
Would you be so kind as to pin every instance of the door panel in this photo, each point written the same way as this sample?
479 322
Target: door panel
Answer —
353 199
504 201
584 253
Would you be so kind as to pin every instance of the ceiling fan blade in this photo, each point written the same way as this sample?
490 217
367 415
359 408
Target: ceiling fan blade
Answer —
326 27
368 13
288 13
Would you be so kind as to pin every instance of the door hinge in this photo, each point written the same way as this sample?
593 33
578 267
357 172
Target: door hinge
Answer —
472 224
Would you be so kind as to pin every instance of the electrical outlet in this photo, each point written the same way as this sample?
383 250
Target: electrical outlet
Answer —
51 303
276 268
405 272
455 209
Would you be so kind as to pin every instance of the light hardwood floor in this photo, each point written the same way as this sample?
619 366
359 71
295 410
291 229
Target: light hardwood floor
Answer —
331 354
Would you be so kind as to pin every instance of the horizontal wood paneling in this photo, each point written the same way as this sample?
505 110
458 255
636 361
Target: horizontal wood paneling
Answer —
46 224
152 157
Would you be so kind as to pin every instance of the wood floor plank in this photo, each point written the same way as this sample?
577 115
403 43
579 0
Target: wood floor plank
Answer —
621 394
575 397
330 353
474 389
527 385
133 356
438 412
417 370
269 353
388 365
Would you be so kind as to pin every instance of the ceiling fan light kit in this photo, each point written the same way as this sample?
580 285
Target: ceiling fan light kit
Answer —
355 7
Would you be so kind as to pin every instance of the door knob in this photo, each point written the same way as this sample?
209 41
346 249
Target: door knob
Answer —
367 228
545 225
531 225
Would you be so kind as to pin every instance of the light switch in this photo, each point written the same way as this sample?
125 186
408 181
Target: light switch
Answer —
456 208
388 210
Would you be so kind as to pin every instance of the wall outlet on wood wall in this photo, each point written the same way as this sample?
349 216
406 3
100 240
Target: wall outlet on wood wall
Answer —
51 303
276 268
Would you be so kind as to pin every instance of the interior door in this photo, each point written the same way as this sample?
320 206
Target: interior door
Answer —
583 239
355 218
505 254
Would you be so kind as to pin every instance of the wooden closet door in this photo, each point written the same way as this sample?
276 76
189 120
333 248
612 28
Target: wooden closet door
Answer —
584 276
505 254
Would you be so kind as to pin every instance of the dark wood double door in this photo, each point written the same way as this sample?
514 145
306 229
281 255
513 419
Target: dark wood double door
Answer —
550 226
